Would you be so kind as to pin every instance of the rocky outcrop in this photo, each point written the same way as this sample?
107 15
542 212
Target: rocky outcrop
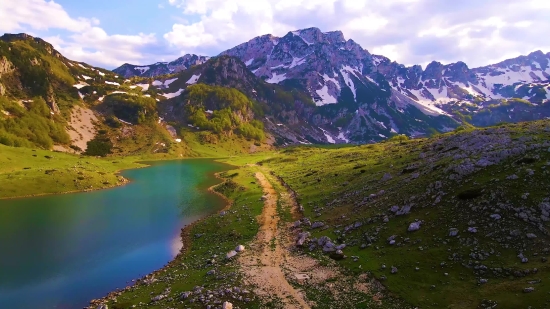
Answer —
6 66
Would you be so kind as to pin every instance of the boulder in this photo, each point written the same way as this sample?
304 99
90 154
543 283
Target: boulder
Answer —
453 232
239 248
227 305
529 289
302 237
415 226
394 270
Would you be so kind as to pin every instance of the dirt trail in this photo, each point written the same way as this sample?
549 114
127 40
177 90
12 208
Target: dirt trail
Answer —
263 263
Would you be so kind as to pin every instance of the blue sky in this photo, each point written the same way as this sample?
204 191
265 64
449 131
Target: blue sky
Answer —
110 33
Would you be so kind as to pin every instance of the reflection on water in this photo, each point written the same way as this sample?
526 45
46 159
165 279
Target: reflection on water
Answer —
62 251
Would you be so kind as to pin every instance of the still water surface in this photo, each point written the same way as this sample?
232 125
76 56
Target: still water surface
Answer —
61 251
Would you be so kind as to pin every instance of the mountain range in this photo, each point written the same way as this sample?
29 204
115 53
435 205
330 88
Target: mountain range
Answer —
306 87
339 72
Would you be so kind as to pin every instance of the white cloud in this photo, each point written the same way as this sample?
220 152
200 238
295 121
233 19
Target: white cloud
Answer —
408 31
88 42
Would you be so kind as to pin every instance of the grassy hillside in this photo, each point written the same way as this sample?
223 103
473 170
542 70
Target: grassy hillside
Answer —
479 197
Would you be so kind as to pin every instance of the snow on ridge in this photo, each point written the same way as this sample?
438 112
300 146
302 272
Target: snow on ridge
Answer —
193 79
83 66
112 83
326 98
101 73
157 83
173 95
333 80
275 79
86 77
329 138
249 62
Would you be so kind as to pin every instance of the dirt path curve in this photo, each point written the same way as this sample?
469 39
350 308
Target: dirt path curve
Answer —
262 264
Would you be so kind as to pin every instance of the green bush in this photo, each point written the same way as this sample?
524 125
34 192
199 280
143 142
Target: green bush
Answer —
99 147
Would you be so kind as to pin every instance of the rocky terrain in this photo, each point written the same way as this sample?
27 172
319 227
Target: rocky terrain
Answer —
466 212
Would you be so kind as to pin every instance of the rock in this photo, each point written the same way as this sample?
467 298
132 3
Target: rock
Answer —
394 270
496 216
394 209
230 254
386 177
240 248
415 226
102 307
317 224
483 281
227 305
472 230
453 232
185 295
531 236
529 289
158 297
297 224
211 272
512 177
340 247
302 237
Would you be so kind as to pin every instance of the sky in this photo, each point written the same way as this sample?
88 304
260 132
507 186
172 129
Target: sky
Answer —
109 33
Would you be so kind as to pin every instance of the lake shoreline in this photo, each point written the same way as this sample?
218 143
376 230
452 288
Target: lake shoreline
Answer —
185 238
117 173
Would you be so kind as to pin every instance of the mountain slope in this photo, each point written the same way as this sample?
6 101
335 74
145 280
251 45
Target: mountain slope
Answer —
160 68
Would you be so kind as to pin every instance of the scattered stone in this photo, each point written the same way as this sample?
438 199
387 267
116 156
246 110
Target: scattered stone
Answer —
317 224
230 254
302 237
415 226
453 232
227 305
529 289
386 177
394 270
531 235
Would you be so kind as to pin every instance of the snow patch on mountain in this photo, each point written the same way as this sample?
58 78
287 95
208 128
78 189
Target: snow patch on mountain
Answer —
194 79
169 81
326 98
173 95
275 79
327 135
142 69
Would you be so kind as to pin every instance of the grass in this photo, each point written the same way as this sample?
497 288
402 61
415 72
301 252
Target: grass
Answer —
25 172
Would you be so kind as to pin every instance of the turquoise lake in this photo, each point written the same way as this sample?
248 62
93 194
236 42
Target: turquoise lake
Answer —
61 251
